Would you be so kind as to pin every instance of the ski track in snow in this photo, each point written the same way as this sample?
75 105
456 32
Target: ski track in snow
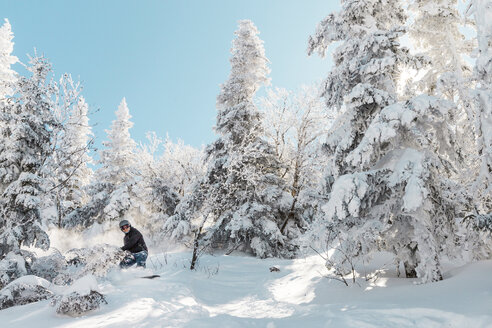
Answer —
237 291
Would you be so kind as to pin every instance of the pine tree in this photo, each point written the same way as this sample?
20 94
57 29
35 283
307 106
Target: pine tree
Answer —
73 174
391 161
111 191
241 196
7 74
27 128
118 158
367 65
117 162
7 79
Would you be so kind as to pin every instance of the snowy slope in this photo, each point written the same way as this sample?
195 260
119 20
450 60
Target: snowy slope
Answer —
237 291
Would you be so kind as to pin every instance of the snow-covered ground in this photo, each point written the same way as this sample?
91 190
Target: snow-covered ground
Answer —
239 291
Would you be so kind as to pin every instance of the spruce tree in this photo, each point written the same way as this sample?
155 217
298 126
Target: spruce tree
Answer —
240 201
73 174
7 74
111 195
391 171
27 128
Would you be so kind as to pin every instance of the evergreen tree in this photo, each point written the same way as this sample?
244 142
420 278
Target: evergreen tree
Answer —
7 79
111 191
367 64
73 174
241 198
118 158
27 128
7 74
391 162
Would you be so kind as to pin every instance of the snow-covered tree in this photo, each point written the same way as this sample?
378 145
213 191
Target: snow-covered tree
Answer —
157 197
117 162
181 165
7 74
111 191
7 79
118 158
436 32
72 158
367 65
481 10
294 124
66 171
240 201
392 161
27 127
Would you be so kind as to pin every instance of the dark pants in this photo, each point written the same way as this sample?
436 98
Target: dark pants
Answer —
131 259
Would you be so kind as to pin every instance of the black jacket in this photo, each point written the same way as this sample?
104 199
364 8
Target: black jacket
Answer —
134 241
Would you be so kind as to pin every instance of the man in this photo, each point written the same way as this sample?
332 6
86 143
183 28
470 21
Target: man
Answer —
135 244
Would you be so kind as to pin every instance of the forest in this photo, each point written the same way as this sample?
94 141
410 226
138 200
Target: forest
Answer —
391 153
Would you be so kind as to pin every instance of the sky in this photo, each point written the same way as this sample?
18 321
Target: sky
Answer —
168 57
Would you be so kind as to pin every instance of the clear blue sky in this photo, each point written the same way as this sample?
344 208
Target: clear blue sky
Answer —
166 57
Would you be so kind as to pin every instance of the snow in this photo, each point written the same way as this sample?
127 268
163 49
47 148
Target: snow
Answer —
409 167
83 286
239 291
30 280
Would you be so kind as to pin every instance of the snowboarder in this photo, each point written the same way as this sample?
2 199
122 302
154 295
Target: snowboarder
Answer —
134 244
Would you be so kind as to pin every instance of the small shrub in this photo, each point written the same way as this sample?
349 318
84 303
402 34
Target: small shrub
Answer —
97 260
75 304
20 294
13 266
49 267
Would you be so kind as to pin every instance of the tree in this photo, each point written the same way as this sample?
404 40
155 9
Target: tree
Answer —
118 158
481 11
7 74
294 124
157 198
240 201
7 78
71 160
392 162
436 31
118 164
181 165
367 65
111 190
28 122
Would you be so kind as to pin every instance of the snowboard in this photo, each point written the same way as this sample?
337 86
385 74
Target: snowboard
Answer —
151 277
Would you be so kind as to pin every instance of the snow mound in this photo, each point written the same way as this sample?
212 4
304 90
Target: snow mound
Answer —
25 290
82 296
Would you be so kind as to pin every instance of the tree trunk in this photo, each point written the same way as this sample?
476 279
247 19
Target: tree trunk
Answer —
196 244
290 216
411 264
410 271
58 211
